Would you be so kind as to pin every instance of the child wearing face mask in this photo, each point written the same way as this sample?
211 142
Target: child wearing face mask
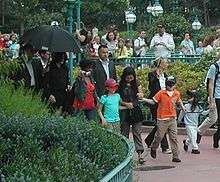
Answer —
166 117
191 119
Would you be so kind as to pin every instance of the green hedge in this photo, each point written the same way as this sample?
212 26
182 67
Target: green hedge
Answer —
54 149
37 146
20 100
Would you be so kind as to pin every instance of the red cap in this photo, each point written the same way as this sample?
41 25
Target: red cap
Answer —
111 83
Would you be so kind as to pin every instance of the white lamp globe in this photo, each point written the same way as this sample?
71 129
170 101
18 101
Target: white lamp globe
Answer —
130 17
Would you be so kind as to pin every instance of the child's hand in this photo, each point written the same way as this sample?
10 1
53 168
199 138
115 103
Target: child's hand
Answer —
184 109
104 123
129 105
140 95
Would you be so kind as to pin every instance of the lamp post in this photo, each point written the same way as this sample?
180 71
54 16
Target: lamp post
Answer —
157 9
175 7
196 25
149 10
70 4
130 18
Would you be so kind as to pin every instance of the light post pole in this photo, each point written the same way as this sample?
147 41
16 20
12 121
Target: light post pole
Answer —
196 25
157 9
130 18
70 4
175 4
149 10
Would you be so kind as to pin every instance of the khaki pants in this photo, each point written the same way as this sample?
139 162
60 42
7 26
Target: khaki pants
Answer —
114 126
169 127
209 121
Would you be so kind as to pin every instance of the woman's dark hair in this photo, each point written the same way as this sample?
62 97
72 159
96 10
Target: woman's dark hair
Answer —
195 102
58 56
107 36
85 63
122 84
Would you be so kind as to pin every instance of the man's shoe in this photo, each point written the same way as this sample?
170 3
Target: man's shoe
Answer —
176 160
198 140
195 151
215 141
153 153
167 151
185 147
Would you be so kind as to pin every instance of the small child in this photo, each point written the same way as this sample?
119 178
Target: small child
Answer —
109 104
166 117
191 118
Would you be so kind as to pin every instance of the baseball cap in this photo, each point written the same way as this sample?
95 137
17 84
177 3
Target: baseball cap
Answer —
170 81
111 83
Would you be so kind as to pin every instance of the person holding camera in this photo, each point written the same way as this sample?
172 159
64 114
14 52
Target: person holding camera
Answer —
162 43
85 98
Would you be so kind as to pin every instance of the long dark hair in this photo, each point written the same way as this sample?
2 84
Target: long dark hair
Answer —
122 84
195 102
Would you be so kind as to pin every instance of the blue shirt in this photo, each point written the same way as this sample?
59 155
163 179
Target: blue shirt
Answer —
199 50
188 47
211 75
191 118
111 107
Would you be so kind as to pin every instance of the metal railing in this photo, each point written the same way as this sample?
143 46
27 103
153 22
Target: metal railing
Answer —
124 171
192 59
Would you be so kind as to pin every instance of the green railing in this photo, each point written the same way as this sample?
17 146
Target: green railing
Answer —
150 58
123 172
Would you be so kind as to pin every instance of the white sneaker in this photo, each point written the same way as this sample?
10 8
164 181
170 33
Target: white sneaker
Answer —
167 151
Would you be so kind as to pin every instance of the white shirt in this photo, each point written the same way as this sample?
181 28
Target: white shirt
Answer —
31 72
162 80
137 43
166 44
106 68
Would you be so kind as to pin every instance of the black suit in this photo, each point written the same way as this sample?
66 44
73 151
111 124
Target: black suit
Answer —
99 76
154 87
23 74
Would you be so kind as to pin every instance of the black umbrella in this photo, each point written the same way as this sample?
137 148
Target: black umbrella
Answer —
51 38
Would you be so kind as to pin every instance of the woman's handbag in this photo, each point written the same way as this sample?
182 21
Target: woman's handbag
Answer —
136 115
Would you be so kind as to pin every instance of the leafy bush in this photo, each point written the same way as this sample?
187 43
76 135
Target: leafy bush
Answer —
20 100
8 68
54 149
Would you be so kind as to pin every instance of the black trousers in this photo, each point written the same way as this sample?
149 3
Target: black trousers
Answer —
149 139
216 136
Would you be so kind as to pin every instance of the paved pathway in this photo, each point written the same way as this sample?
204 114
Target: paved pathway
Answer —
204 167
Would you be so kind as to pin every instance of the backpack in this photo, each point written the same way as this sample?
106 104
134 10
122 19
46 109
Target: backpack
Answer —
216 77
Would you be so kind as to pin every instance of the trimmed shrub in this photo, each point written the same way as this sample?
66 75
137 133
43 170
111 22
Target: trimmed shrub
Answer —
54 149
20 100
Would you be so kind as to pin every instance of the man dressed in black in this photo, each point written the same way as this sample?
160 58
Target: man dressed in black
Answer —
31 70
103 70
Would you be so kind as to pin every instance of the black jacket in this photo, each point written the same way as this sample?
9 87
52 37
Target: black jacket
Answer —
154 84
100 77
56 80
23 74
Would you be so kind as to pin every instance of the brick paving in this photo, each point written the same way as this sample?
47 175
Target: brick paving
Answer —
203 167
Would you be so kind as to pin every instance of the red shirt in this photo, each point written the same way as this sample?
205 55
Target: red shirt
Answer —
89 101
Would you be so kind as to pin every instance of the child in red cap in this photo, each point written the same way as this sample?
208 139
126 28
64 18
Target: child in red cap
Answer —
109 104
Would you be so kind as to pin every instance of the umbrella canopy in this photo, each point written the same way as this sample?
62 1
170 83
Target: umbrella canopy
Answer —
50 38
